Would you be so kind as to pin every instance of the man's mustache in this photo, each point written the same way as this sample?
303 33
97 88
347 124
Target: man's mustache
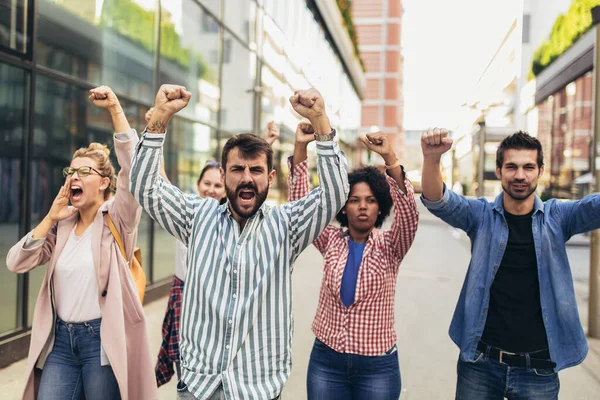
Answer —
245 186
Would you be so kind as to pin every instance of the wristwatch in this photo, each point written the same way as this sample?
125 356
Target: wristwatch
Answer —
325 138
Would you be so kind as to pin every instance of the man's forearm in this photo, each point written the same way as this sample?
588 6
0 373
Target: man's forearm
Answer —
431 179
158 122
321 125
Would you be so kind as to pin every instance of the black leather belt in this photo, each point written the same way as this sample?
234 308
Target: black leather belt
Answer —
538 359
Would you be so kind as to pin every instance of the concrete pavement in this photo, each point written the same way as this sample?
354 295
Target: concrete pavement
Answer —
428 286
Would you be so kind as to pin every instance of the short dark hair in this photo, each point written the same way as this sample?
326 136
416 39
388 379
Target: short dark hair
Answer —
519 141
380 188
210 164
250 146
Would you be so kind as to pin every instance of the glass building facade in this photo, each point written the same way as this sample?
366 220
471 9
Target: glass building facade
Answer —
241 59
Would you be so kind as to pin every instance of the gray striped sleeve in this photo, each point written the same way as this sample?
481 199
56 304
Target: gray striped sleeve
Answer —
310 215
165 203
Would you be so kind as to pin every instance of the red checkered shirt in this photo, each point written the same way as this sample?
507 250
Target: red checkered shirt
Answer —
367 326
169 349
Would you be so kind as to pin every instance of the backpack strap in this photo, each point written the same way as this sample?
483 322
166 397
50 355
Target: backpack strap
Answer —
115 233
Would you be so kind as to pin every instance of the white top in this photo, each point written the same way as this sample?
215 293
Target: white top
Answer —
180 260
75 280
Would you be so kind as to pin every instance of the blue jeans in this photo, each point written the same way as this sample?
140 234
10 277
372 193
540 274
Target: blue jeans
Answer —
487 379
332 375
73 367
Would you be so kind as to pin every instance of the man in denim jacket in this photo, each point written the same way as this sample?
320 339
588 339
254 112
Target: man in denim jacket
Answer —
516 321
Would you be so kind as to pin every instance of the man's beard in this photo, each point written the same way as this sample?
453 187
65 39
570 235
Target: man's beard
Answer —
520 195
259 199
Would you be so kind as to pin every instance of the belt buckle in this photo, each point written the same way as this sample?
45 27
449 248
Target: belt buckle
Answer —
502 353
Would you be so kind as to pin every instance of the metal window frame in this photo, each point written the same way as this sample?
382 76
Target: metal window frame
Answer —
15 343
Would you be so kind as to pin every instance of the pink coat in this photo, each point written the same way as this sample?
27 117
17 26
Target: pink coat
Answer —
123 331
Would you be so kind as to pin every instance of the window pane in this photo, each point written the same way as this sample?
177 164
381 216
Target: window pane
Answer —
240 16
238 93
189 56
103 42
213 5
15 30
13 83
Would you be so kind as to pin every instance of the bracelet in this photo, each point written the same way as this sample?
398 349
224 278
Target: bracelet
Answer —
394 165
117 113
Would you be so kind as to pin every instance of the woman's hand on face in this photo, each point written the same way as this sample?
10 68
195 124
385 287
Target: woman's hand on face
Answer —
104 97
60 206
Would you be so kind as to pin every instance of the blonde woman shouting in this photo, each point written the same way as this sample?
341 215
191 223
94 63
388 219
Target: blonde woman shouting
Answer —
89 334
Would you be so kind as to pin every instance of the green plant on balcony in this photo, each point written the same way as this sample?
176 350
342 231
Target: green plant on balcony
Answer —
136 24
344 6
567 29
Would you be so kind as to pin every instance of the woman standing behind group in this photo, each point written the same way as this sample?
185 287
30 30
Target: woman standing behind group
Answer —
89 335
355 355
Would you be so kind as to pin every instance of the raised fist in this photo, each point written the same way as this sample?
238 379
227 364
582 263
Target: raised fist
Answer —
308 103
378 142
271 133
171 99
305 133
435 142
104 97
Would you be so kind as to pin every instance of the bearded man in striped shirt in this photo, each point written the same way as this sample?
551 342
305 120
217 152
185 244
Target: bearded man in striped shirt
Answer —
236 318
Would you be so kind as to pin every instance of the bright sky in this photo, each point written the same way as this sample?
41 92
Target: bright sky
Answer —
446 46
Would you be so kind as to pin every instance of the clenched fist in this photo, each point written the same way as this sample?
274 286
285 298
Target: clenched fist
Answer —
378 142
305 133
104 97
171 99
435 142
308 103
271 133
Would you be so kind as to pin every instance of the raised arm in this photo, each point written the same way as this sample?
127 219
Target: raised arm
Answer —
310 215
406 215
124 210
271 132
434 143
163 172
454 209
298 178
165 203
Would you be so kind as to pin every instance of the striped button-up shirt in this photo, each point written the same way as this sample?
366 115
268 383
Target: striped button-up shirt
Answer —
236 318
367 326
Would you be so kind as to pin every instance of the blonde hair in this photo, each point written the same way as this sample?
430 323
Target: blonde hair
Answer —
100 154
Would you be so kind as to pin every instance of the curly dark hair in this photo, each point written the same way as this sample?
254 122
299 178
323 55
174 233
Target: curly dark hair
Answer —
380 188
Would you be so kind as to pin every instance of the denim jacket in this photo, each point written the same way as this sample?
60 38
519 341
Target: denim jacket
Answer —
554 222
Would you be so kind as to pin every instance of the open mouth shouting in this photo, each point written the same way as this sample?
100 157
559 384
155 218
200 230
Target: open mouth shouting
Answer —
246 196
76 193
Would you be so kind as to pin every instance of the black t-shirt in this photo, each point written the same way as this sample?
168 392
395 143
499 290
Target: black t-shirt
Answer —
514 321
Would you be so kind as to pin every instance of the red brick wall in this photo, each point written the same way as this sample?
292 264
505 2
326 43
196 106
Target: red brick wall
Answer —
367 9
379 34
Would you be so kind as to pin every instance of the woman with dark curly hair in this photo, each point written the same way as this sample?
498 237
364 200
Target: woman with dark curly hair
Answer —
355 354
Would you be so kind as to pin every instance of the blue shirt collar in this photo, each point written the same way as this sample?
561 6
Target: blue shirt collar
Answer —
538 204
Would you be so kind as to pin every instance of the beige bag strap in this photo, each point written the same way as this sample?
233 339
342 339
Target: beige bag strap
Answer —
115 233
